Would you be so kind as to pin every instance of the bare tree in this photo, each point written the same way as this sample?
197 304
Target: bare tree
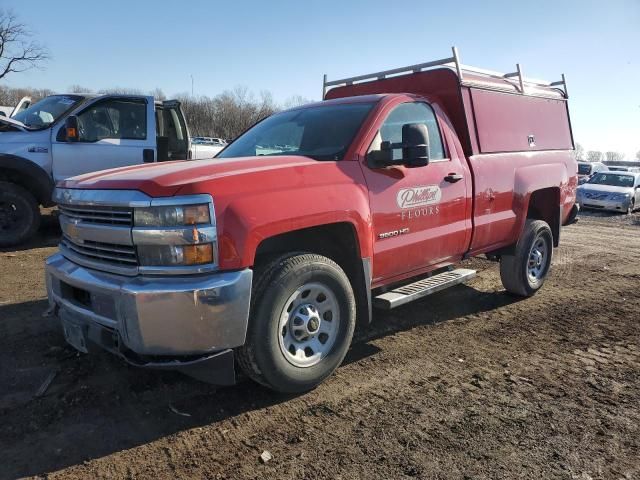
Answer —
17 51
614 156
79 89
11 96
579 152
297 100
638 155
594 156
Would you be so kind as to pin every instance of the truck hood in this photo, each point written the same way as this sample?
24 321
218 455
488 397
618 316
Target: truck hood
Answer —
167 178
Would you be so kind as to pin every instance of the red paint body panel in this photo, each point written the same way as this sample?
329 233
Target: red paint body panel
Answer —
258 197
262 203
504 121
504 183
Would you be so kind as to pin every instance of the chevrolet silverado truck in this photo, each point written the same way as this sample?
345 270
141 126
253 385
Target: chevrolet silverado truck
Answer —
268 257
66 135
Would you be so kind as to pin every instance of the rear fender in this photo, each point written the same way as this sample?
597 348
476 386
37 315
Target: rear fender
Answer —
552 178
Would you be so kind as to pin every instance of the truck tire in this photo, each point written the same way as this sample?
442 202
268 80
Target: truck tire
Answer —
19 214
302 318
524 272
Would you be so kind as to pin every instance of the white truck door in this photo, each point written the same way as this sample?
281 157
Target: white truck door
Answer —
172 135
114 131
23 104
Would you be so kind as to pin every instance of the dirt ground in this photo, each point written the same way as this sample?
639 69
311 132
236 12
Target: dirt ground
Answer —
468 383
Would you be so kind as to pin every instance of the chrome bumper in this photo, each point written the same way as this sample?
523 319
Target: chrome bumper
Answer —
173 319
611 205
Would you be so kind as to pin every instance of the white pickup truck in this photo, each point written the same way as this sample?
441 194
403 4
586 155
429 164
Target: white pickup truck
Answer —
66 135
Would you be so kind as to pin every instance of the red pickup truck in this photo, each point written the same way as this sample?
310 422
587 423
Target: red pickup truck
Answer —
268 256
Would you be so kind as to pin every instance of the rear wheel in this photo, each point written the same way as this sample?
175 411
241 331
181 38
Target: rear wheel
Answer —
523 273
301 323
19 214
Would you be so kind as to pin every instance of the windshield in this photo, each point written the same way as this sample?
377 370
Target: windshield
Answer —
43 113
584 168
322 133
613 179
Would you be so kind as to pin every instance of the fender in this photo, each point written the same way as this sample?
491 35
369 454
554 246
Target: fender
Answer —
241 231
537 177
261 203
29 175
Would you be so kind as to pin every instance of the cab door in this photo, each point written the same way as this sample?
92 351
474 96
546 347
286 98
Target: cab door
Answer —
113 132
421 216
172 134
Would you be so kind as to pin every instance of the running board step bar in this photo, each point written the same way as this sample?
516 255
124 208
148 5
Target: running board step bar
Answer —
408 293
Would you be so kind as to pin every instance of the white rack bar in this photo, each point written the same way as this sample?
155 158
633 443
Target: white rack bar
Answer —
453 62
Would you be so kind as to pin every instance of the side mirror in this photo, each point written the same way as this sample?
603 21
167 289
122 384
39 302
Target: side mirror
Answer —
71 129
414 145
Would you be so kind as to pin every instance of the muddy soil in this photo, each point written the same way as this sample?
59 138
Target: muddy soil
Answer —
468 383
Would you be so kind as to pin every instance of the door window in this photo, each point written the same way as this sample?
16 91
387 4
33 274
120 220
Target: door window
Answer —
417 112
171 134
118 119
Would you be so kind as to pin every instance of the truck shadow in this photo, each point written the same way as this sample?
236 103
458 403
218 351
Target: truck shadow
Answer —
96 405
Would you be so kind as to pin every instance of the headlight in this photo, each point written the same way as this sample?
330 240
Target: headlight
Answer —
173 235
619 196
175 255
172 216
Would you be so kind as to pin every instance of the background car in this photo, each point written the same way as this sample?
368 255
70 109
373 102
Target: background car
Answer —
587 169
614 191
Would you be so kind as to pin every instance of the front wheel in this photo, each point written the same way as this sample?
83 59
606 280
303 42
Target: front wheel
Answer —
301 323
19 214
631 207
523 273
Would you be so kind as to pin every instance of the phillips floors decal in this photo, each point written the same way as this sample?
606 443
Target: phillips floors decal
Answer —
421 201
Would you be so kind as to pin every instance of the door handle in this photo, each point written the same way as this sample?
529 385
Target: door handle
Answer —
453 178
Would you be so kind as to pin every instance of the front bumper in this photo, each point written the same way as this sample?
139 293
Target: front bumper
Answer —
177 322
611 205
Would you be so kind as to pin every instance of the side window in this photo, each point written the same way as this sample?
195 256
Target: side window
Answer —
119 119
417 112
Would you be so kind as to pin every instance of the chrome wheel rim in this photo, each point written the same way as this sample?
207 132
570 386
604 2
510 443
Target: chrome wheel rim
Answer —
537 263
309 324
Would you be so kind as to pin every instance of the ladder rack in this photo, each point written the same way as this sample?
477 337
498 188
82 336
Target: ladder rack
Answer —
452 62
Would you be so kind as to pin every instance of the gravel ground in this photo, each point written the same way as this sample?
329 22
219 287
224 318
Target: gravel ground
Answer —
468 383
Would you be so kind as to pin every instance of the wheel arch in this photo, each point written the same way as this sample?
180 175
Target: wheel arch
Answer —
28 175
337 241
544 204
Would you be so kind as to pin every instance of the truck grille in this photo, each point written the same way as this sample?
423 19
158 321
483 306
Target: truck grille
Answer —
99 237
105 252
100 215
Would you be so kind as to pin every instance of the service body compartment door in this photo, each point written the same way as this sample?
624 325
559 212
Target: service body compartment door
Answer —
113 132
421 216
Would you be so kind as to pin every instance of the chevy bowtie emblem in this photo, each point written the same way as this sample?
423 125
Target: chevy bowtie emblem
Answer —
196 235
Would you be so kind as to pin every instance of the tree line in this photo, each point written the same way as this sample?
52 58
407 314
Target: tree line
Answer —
598 156
225 115
231 112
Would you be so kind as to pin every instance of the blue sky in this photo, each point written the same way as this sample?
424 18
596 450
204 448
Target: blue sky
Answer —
285 47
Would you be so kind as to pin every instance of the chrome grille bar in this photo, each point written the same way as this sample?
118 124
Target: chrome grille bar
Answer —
104 252
102 215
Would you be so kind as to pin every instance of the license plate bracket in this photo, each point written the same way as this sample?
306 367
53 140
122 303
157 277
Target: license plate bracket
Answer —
74 334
